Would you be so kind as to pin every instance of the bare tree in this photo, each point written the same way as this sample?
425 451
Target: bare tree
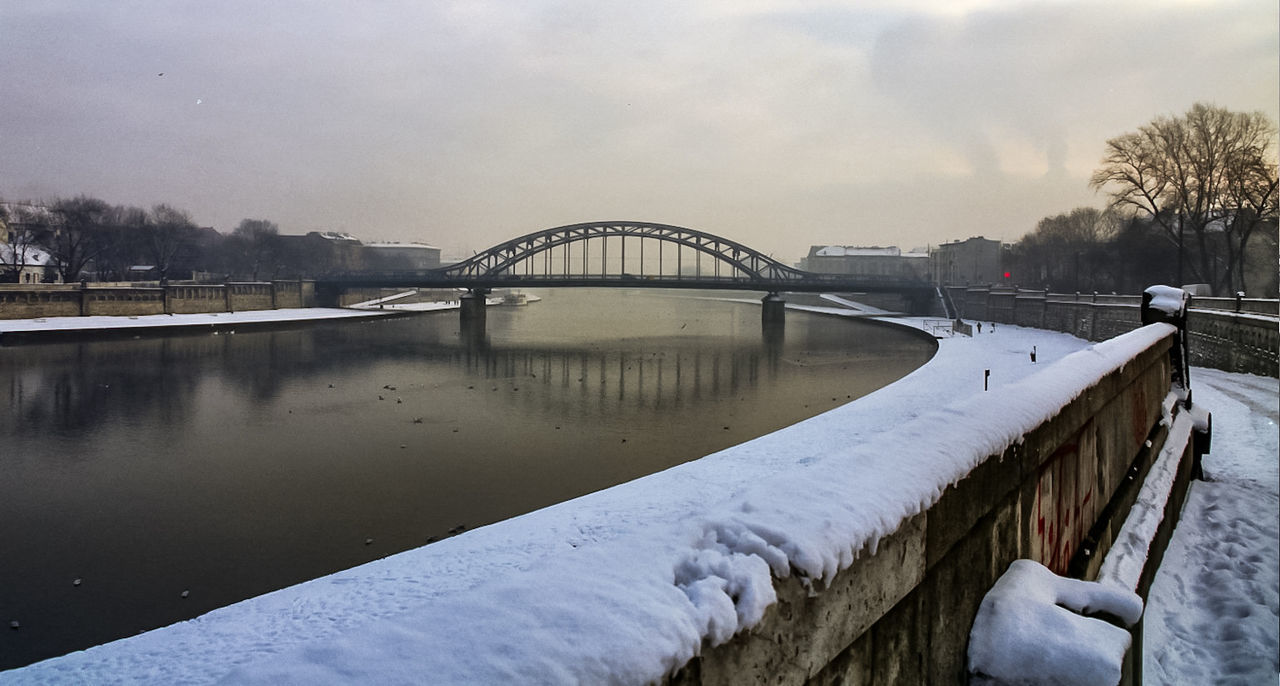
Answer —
78 237
1181 171
1068 251
170 232
121 238
257 242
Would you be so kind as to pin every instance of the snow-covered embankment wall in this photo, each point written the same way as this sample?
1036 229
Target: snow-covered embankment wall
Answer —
1240 341
1056 492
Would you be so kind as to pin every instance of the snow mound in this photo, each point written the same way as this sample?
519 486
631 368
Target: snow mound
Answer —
1035 627
1167 299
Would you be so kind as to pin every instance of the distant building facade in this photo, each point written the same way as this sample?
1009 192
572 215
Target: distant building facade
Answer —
873 262
401 256
24 264
971 262
318 252
22 260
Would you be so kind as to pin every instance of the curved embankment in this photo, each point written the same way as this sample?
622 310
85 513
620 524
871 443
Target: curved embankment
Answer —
630 583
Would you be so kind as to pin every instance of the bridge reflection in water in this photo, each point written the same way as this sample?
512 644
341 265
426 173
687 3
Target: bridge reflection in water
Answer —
590 383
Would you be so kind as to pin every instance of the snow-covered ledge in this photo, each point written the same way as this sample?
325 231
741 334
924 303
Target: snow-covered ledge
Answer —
858 542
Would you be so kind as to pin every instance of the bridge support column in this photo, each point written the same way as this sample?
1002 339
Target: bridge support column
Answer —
773 313
472 305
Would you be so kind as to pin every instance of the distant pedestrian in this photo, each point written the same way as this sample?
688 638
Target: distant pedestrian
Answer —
979 327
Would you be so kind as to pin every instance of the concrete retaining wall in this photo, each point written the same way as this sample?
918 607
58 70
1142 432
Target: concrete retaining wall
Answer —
28 302
902 613
72 300
1221 338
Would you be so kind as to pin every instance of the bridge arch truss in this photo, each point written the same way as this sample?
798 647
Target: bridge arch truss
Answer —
599 250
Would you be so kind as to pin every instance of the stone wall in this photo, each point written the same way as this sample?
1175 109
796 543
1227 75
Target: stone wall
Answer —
122 301
71 300
197 299
29 302
1221 338
250 296
902 612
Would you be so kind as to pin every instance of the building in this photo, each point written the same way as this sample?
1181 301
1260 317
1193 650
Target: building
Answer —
401 256
316 253
873 262
23 263
971 262
22 260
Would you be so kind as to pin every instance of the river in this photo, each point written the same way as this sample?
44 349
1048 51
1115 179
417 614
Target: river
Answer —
147 481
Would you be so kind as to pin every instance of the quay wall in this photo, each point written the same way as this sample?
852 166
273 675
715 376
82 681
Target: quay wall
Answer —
27 301
1231 335
902 614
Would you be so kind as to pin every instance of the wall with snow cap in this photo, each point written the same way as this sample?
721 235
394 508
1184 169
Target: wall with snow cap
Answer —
1242 341
1041 470
73 300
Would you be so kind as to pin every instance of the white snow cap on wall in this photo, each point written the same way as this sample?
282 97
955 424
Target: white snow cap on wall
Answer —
1167 299
1034 627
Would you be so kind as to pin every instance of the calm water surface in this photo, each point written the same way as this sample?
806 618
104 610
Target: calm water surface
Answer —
232 465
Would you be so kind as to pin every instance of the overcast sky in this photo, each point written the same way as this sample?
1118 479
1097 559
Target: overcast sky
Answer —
777 123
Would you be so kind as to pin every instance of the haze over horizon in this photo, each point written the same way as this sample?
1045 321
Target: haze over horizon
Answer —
777 123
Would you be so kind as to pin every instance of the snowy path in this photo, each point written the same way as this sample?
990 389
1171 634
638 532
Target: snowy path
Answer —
1214 611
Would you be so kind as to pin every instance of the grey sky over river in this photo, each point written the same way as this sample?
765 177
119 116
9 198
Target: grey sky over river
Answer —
774 122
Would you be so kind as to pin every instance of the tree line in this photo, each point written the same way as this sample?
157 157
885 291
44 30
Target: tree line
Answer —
1192 199
86 237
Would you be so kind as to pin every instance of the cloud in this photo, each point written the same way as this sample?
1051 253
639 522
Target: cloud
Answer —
777 122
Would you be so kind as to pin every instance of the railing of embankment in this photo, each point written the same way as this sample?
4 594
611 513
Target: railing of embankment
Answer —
1235 335
1057 493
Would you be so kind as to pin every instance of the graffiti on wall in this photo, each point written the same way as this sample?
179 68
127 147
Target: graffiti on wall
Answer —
1066 504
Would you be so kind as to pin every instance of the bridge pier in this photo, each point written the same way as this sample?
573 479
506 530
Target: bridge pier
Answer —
773 311
472 305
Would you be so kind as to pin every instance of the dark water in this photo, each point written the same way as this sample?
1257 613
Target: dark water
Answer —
232 465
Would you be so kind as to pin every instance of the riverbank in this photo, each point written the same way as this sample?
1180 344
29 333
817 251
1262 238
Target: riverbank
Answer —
46 328
455 607
602 564
101 326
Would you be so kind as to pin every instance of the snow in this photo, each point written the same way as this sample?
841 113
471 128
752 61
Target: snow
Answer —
1034 627
866 309
1167 299
1213 615
31 255
1128 554
177 320
385 299
625 584
855 251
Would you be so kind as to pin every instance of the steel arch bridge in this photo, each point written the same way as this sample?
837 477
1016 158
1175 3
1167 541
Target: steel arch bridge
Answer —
596 254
